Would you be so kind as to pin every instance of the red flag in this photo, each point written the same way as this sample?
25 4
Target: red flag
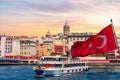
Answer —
76 47
79 42
104 41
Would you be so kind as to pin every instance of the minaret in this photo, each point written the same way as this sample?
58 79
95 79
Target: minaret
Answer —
66 29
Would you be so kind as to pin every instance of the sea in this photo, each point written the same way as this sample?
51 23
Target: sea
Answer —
25 72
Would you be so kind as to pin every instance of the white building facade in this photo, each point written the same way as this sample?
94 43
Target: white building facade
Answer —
2 45
9 45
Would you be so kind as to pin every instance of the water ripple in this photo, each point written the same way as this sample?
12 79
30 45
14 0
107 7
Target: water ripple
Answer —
25 72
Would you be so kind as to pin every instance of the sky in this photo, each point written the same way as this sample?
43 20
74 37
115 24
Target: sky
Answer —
36 17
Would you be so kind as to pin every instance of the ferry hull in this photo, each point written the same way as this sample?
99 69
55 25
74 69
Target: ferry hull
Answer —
43 73
48 73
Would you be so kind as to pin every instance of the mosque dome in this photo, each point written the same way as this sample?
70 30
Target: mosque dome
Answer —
48 34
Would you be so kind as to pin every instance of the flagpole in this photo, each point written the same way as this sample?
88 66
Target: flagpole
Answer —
114 34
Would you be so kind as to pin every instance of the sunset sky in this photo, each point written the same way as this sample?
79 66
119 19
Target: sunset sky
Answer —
35 17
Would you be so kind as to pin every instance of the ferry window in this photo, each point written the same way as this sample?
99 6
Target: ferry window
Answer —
76 70
77 64
83 64
68 71
72 64
65 65
72 70
57 65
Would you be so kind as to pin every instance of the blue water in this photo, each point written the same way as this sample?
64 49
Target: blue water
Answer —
25 72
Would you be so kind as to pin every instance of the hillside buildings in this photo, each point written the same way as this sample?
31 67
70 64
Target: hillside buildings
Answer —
34 47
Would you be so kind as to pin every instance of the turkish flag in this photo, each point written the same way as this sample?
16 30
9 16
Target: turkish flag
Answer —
104 41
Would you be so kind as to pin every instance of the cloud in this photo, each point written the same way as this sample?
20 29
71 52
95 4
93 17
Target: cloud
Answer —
52 11
51 7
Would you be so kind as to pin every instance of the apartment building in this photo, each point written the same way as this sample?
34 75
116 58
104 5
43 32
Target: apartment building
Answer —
28 48
9 45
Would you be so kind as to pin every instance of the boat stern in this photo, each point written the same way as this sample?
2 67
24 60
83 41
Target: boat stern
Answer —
38 70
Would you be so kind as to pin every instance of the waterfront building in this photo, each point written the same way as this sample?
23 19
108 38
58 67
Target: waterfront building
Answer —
41 50
39 39
49 43
27 48
60 46
2 45
9 46
16 47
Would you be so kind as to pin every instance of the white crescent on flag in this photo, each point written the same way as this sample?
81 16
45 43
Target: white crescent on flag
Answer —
104 41
103 44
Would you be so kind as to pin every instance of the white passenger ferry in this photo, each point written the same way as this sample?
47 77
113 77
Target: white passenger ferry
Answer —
57 66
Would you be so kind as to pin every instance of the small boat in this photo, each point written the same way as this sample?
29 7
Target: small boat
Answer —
57 66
